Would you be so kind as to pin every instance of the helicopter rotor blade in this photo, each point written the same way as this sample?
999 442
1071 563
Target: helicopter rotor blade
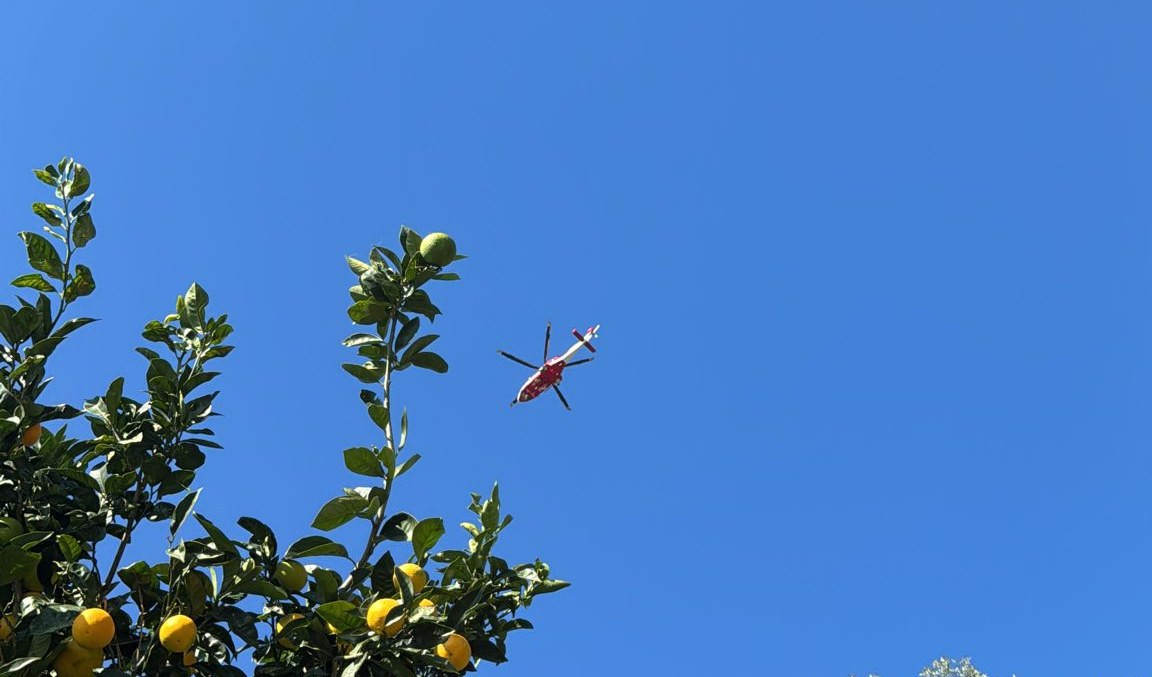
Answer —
586 360
517 359
547 338
561 396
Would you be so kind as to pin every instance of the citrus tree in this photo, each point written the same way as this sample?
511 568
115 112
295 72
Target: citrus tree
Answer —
71 501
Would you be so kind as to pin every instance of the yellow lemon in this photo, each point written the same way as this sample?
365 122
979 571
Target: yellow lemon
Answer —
178 633
76 661
280 623
418 576
291 575
93 629
456 649
378 613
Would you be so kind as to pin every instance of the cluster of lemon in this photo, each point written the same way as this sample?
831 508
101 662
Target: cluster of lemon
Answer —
94 629
454 648
92 632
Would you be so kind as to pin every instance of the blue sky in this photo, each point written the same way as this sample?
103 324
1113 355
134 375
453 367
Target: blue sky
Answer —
873 280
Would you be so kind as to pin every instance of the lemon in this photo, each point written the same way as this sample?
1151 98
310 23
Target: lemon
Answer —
93 629
418 576
178 633
291 575
438 249
284 641
456 649
378 613
189 658
76 661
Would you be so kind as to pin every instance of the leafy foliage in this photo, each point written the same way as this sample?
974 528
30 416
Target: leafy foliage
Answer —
62 496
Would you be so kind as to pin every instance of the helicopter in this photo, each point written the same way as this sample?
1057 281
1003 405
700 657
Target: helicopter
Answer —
549 374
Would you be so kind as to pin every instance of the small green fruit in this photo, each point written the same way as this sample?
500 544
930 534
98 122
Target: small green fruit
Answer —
291 575
438 249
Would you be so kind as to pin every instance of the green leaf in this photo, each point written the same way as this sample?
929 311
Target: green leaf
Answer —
43 256
72 325
83 231
47 213
31 539
316 546
425 535
17 666
407 465
378 284
195 305
361 339
45 176
446 276
53 618
358 267
343 616
70 547
262 535
398 527
430 361
382 573
380 416
418 345
82 207
337 512
407 332
545 587
262 588
363 462
368 311
391 255
82 283
33 281
219 538
45 347
420 303
15 562
410 240
81 180
365 373
115 485
388 458
181 512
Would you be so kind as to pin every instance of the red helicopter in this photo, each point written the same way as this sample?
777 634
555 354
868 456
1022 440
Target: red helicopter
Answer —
551 372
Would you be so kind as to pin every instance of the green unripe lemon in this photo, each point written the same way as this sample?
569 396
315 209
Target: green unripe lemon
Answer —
438 249
291 575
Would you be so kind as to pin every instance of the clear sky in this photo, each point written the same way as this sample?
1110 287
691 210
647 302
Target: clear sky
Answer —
873 277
